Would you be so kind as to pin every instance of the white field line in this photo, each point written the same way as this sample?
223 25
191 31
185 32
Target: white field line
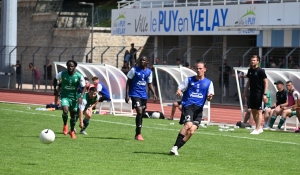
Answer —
166 129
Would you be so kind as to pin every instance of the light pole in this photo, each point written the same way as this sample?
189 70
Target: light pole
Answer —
92 39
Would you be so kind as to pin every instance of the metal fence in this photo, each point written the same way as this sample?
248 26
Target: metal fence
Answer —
114 55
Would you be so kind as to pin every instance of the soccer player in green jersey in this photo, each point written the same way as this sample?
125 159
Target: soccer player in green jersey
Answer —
70 80
89 100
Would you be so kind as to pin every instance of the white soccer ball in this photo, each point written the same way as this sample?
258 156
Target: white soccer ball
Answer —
47 136
155 115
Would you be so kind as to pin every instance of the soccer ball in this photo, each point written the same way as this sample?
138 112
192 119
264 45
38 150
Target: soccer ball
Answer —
47 136
155 115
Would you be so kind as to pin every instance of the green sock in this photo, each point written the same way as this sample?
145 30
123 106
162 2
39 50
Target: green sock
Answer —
65 118
282 120
72 123
86 123
272 121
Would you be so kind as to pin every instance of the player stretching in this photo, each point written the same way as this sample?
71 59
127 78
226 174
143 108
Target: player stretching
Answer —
196 90
70 80
89 100
138 78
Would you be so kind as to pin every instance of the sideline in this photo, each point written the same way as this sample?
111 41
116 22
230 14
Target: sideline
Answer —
166 129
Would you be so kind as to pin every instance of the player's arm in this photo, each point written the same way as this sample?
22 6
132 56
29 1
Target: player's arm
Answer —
210 91
151 87
130 75
182 87
55 82
246 88
82 84
80 112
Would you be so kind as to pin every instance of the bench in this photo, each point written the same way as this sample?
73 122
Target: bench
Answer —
116 104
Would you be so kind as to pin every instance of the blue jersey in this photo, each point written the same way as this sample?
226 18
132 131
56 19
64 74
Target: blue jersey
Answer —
195 91
103 90
140 78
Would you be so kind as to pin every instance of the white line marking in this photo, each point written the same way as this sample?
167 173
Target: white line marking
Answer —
166 129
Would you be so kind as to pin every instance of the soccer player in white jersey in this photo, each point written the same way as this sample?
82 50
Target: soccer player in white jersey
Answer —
138 78
196 90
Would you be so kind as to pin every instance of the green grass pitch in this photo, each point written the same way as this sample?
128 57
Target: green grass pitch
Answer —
109 148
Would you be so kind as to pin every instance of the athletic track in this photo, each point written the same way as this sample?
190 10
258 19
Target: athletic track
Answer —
219 113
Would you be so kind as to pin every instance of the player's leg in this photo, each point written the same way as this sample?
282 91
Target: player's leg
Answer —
137 105
65 107
298 116
174 106
285 113
86 121
277 111
266 117
256 108
73 113
187 113
227 89
196 120
247 116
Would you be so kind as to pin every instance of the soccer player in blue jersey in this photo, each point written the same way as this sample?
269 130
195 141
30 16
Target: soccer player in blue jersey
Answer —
194 91
138 78
102 89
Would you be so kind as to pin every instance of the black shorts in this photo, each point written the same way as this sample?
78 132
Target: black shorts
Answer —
102 98
179 103
137 102
191 113
255 101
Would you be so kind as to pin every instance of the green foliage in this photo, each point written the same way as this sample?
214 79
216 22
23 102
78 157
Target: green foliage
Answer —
110 148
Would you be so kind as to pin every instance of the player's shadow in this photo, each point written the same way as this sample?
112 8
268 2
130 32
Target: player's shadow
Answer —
145 152
106 138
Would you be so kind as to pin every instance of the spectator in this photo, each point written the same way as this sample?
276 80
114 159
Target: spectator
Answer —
291 63
133 55
90 60
36 76
164 62
125 68
48 73
127 56
175 105
281 63
273 65
178 62
187 64
18 73
157 61
264 63
226 72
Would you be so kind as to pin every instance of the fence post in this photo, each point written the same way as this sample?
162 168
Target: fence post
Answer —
10 57
22 65
246 53
74 53
287 57
103 54
152 53
87 55
267 54
186 53
61 54
117 65
169 54
205 53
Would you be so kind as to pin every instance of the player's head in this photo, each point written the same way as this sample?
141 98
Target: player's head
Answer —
255 61
71 65
93 92
289 86
200 68
87 81
95 80
30 65
143 61
279 85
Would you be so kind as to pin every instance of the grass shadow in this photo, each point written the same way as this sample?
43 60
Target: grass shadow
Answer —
108 138
160 153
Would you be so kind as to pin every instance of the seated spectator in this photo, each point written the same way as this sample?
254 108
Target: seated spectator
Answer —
127 56
175 105
286 109
125 68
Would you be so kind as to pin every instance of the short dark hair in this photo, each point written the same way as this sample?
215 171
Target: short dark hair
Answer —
289 82
95 78
94 89
201 62
71 61
86 79
256 56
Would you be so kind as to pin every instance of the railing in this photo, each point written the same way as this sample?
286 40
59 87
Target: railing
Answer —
185 3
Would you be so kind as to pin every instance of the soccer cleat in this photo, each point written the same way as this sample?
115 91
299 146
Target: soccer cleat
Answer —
139 137
260 130
65 129
72 134
255 132
174 151
83 132
297 130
